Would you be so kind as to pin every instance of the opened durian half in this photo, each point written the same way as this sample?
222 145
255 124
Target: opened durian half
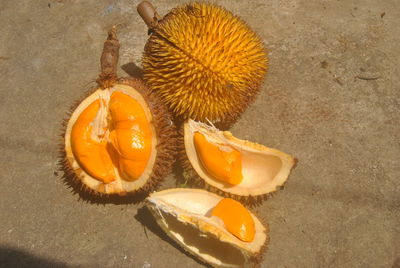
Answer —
232 167
119 139
219 231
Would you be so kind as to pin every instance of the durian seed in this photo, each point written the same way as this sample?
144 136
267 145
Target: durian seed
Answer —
222 162
236 218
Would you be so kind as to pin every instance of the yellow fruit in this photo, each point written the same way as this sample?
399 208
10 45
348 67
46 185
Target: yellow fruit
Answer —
224 163
237 219
204 62
120 138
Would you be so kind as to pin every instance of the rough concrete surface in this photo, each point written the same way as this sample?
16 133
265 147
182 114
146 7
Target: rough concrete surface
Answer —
331 98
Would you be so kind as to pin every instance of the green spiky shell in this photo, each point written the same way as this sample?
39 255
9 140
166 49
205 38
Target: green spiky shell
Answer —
166 145
204 62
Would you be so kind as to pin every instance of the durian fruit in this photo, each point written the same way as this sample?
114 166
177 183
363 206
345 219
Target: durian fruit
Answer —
204 62
219 231
119 139
232 167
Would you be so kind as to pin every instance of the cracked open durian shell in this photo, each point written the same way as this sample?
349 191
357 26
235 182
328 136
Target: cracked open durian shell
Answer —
264 169
163 143
184 216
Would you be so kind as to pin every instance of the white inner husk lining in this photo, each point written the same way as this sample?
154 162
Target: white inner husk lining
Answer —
205 245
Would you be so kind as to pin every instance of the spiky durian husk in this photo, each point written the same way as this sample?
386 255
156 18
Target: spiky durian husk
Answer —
258 258
204 62
166 145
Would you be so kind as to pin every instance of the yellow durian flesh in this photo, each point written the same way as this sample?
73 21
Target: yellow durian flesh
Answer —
222 162
120 185
185 215
264 169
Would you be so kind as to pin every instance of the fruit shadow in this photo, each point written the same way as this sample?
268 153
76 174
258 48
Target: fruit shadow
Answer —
396 263
178 173
133 70
16 257
144 216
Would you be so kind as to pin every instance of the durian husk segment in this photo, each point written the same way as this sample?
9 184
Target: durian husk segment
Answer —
184 215
163 144
264 169
204 62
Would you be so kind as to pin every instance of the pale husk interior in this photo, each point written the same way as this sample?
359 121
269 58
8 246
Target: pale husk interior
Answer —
263 168
184 215
119 185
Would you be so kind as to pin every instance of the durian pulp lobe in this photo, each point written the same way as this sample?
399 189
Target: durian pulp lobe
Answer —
92 155
236 218
223 163
131 135
115 135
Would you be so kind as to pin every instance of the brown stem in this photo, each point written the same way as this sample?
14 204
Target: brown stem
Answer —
109 60
148 13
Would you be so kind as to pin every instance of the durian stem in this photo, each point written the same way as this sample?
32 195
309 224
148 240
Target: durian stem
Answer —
148 13
109 60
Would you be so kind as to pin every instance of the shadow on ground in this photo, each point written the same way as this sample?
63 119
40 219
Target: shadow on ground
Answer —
133 70
11 257
396 263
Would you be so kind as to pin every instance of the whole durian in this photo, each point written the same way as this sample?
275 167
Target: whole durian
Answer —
203 61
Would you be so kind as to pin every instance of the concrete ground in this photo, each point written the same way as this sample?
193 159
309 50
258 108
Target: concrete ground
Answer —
331 99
